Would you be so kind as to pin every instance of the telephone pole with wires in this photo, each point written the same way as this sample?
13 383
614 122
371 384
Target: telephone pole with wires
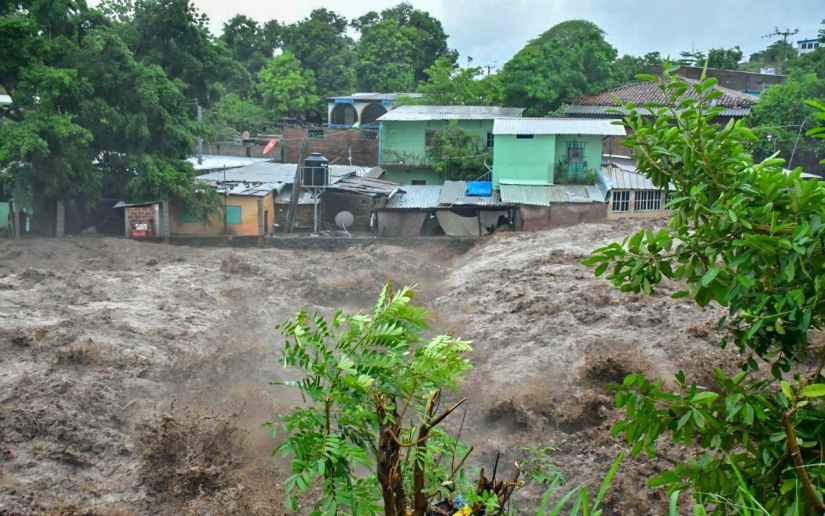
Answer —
784 34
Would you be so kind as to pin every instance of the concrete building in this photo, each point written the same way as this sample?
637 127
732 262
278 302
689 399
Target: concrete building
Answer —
806 46
406 133
547 151
361 109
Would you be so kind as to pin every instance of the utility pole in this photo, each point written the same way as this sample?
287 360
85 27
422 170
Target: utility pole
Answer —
200 139
784 34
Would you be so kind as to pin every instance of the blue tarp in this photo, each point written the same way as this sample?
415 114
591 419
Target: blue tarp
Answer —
479 189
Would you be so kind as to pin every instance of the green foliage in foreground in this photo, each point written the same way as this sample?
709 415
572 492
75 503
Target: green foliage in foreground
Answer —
751 238
372 384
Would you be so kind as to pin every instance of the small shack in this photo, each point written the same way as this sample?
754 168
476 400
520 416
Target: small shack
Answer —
246 209
360 196
145 220
471 208
550 206
411 212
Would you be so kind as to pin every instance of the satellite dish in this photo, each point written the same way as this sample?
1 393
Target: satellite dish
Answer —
344 220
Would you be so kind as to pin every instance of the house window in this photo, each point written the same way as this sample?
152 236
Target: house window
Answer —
647 200
621 200
418 182
524 136
490 140
233 214
429 136
315 133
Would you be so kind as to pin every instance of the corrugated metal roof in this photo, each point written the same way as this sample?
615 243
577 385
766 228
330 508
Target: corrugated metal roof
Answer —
548 194
268 172
620 173
557 126
245 189
213 162
413 113
365 186
454 193
304 196
415 197
581 110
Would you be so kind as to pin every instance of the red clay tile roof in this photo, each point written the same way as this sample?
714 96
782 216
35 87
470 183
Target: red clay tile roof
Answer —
645 92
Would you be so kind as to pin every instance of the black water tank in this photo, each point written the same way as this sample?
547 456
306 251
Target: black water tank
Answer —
316 170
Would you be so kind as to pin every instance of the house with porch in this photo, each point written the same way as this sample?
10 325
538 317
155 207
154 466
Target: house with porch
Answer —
406 133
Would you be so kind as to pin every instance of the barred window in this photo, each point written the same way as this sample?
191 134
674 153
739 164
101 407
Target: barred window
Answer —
621 200
647 200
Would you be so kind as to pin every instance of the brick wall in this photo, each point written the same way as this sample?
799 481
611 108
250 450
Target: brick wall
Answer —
142 215
335 144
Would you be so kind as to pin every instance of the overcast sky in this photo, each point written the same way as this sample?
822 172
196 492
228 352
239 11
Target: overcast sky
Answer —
491 31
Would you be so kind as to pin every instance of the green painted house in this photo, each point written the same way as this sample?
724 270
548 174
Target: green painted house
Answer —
406 131
547 151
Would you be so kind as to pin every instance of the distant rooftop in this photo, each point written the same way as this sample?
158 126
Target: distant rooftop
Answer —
213 162
545 195
268 172
557 126
647 92
5 100
376 96
423 113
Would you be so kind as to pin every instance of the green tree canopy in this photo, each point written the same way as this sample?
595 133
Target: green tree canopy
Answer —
779 116
86 114
287 89
458 155
570 59
724 58
449 85
320 42
249 42
776 55
397 46
627 67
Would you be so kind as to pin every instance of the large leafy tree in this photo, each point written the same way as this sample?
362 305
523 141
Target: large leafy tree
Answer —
449 85
249 42
458 155
627 67
570 59
287 88
397 46
779 55
781 118
725 58
747 236
321 44
87 115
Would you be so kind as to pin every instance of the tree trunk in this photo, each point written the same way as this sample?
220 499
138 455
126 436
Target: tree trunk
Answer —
389 459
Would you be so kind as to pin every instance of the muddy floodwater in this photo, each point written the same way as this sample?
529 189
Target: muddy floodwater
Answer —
136 377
